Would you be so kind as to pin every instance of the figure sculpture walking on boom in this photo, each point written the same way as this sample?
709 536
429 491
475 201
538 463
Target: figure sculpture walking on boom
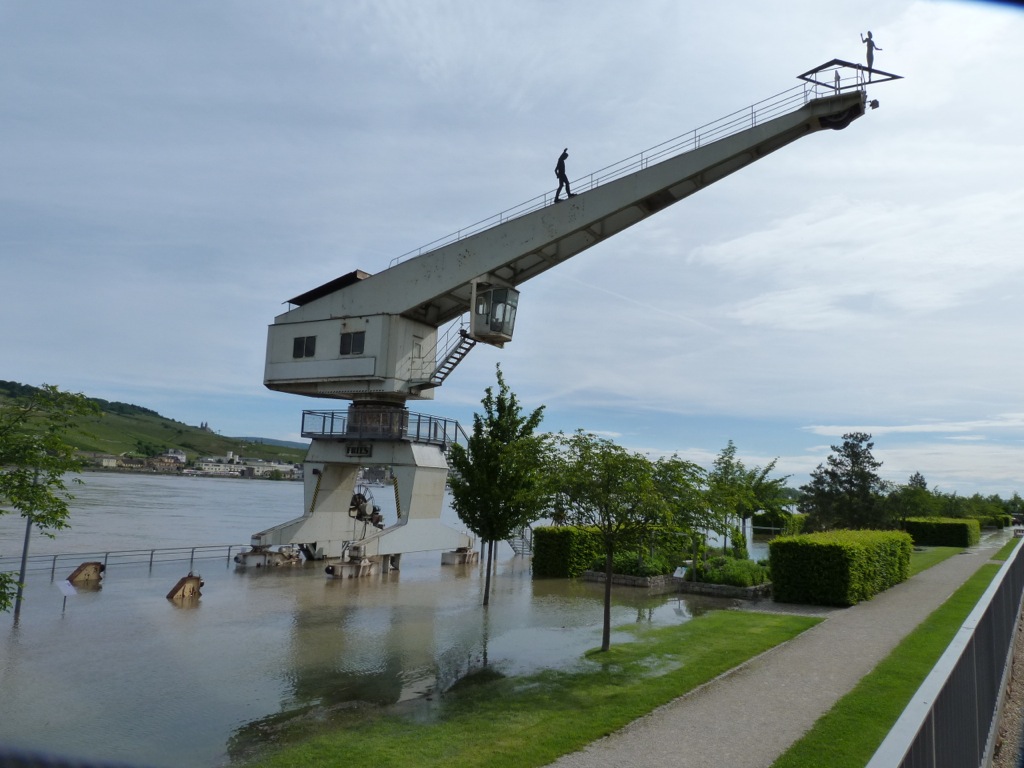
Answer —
870 43
563 180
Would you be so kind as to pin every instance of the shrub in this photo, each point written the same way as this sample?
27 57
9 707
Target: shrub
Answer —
735 573
563 551
943 531
738 542
794 525
838 567
633 564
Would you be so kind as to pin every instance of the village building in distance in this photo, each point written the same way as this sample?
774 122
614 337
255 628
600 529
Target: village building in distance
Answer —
175 462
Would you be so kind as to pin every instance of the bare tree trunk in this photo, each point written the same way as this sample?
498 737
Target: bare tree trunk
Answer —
487 580
24 566
606 632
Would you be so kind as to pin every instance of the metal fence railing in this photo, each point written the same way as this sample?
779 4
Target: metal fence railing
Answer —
748 117
112 558
367 423
952 719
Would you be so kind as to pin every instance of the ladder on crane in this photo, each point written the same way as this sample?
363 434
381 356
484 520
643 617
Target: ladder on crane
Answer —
453 357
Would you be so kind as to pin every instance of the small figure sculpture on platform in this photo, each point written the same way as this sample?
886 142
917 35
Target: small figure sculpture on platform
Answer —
872 47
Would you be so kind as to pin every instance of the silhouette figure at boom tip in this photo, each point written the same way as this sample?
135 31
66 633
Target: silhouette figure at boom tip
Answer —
563 180
870 43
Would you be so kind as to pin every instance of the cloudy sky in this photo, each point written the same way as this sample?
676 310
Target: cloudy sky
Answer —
170 173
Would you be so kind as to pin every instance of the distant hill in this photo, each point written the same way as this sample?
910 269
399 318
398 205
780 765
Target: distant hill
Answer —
122 428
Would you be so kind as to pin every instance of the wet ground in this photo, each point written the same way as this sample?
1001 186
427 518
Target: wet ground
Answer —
121 673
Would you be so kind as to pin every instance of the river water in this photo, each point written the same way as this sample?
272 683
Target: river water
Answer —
122 674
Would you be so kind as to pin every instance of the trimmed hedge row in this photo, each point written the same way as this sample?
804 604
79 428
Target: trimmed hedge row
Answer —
838 567
943 531
562 552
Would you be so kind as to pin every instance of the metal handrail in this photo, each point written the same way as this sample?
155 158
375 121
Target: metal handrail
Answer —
447 338
124 557
953 717
392 424
748 117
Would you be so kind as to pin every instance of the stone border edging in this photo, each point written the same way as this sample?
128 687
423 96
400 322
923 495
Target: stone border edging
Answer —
671 583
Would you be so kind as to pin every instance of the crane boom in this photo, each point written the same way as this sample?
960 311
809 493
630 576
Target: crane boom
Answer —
374 337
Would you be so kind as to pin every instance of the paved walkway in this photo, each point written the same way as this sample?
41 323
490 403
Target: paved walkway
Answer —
750 716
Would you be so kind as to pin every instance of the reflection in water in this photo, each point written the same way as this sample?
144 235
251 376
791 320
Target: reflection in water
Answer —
120 673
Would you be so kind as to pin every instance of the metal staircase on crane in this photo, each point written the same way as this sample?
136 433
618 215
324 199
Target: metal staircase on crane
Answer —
455 356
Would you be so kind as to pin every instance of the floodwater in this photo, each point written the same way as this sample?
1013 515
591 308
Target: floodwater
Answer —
122 674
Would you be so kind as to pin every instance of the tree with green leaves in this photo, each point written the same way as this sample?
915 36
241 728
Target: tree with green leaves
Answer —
736 492
613 491
770 494
1014 506
34 461
728 494
846 491
498 481
681 485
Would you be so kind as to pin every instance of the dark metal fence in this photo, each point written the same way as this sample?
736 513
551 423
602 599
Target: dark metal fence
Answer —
147 557
383 424
952 719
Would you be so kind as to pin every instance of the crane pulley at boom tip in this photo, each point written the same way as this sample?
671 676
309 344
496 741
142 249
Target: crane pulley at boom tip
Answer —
376 336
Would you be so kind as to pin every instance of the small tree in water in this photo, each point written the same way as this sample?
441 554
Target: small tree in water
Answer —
497 482
604 486
34 459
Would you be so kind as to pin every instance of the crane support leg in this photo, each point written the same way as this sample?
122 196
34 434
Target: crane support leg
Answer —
328 529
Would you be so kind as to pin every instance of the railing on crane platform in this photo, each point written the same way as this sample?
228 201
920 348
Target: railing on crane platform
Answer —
748 117
384 424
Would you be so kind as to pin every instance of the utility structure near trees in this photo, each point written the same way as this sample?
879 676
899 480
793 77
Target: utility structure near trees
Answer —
380 340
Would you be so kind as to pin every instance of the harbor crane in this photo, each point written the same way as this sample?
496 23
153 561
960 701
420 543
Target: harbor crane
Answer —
381 340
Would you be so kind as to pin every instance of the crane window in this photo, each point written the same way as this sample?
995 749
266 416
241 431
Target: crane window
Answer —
304 346
353 343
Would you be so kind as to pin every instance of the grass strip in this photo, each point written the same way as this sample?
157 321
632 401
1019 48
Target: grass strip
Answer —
519 722
1007 549
848 735
922 560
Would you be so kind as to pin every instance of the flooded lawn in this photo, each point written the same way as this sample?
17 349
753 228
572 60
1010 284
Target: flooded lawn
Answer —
121 673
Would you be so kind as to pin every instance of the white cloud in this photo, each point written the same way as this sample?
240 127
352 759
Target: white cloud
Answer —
173 173
1006 421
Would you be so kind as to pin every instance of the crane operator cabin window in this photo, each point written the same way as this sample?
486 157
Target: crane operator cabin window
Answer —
353 343
304 346
494 317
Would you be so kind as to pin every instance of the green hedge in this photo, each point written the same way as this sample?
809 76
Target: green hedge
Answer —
838 567
777 519
943 531
629 563
999 521
563 551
